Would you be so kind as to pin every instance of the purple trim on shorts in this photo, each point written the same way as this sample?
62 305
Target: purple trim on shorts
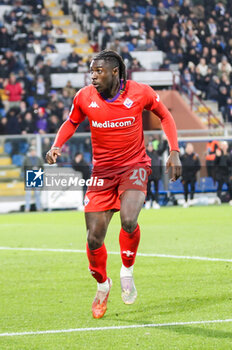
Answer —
115 97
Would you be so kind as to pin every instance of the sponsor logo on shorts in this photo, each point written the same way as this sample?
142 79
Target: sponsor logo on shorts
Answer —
115 123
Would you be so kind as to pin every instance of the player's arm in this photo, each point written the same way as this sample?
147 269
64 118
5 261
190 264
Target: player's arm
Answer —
66 130
154 104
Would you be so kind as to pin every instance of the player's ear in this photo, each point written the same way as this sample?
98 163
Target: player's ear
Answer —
115 70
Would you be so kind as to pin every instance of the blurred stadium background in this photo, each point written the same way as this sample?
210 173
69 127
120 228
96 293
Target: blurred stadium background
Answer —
183 49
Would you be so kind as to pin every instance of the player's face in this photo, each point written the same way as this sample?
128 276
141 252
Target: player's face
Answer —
102 75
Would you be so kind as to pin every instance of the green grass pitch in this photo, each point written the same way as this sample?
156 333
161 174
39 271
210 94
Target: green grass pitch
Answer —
42 290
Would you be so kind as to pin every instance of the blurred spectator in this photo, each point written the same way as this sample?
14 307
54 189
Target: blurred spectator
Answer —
48 25
133 45
66 99
80 165
153 179
211 148
126 56
224 67
11 60
190 166
41 122
45 70
59 35
136 64
202 67
213 88
64 67
70 89
50 46
12 125
40 91
213 65
4 69
27 125
5 39
35 46
74 59
222 101
107 38
127 37
115 46
43 16
228 113
53 124
58 109
32 162
14 91
223 164
25 81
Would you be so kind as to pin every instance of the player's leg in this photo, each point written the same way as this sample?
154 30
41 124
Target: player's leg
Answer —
229 185
97 224
37 201
149 194
186 184
131 204
156 197
192 189
27 200
219 190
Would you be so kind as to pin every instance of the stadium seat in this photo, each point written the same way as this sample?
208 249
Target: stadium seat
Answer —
23 147
17 159
59 80
176 187
161 186
207 184
30 100
87 157
198 188
142 10
8 147
225 187
152 10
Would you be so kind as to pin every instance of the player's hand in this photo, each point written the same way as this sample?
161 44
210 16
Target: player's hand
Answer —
52 155
173 163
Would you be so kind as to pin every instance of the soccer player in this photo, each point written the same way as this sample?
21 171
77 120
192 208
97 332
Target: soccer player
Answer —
114 108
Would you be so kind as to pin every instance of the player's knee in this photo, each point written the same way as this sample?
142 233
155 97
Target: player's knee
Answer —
94 241
128 225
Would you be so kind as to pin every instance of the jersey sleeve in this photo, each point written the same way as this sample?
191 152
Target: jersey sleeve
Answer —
67 129
150 98
76 116
153 103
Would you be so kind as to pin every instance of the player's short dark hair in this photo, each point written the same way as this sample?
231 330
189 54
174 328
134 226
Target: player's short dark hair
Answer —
116 61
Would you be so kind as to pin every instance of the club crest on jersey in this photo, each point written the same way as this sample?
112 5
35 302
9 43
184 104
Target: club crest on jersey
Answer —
93 104
86 201
128 103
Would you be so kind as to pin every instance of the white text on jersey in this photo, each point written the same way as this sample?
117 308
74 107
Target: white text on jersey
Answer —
116 123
